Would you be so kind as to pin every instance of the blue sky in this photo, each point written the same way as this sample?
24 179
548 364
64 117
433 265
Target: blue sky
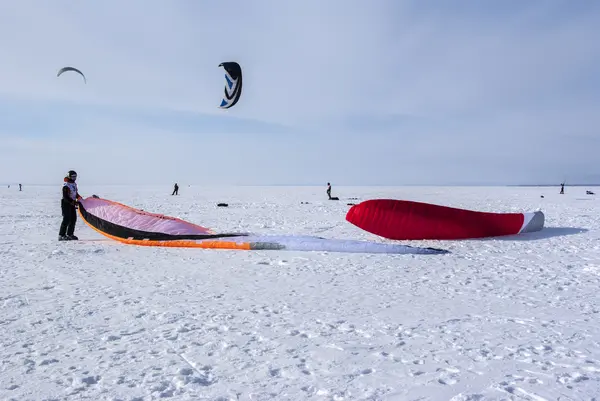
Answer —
354 92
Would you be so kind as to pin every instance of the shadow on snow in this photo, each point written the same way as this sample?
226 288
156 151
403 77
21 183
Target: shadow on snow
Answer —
547 232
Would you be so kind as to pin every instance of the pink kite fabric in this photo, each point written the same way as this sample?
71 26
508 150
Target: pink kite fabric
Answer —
136 219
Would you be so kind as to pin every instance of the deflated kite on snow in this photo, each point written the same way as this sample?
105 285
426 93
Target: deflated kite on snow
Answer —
410 220
65 69
137 227
233 87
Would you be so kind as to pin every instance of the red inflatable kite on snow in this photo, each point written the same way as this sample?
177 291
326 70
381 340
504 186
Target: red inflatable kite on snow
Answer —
409 220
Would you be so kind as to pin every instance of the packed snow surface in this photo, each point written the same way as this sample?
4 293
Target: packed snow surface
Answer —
514 318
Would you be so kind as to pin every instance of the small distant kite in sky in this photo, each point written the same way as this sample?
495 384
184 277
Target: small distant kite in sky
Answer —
233 87
65 69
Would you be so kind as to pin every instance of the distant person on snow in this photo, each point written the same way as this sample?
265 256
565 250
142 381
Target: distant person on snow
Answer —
68 204
20 187
562 189
175 190
329 190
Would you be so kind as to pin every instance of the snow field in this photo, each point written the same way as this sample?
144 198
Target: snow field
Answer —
496 319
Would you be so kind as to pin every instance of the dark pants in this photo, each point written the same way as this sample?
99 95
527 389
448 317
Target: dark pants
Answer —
69 214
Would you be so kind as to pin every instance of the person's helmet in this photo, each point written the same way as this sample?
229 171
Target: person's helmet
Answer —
72 174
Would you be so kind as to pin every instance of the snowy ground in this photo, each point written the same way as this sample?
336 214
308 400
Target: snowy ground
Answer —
513 318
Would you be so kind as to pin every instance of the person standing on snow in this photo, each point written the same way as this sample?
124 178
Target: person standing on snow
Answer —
68 205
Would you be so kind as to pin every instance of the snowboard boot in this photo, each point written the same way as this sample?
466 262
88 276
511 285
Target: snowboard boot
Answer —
72 237
63 238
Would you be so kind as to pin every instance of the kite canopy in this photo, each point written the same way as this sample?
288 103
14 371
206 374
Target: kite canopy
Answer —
65 69
233 87
137 227
409 220
123 222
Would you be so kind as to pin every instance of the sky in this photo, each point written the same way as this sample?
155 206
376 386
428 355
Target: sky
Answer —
378 92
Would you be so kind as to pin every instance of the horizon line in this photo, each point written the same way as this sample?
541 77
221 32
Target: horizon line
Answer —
320 185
